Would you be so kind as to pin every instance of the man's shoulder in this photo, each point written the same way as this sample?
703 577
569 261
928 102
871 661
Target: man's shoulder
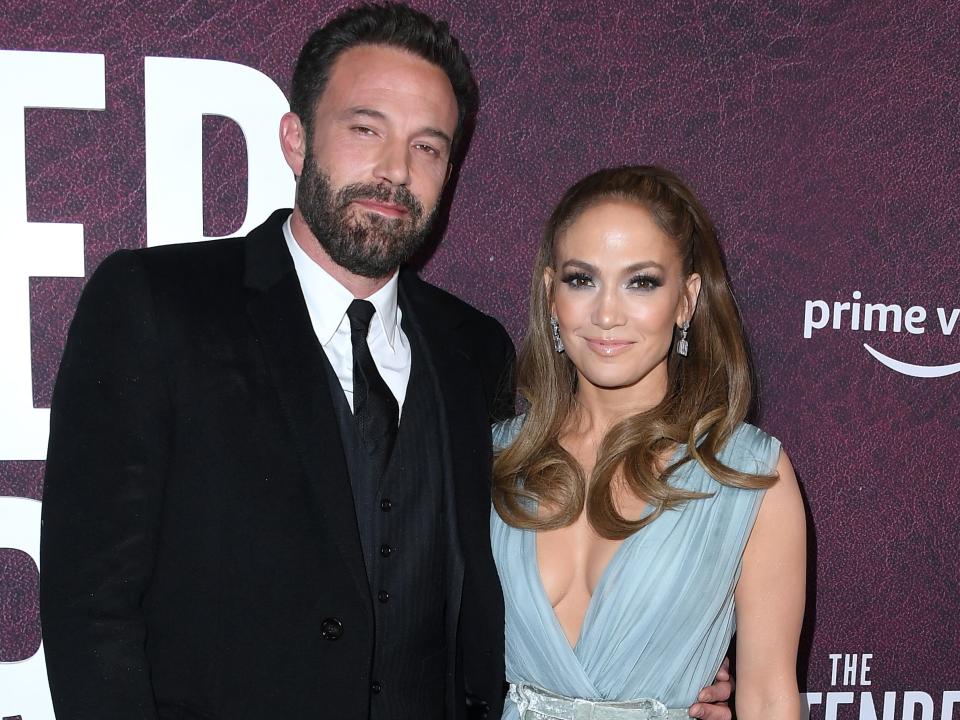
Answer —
201 252
449 322
452 310
202 262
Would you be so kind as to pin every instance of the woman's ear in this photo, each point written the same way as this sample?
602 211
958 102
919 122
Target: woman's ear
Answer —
691 293
548 277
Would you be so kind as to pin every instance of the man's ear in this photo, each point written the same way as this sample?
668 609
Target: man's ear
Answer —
293 142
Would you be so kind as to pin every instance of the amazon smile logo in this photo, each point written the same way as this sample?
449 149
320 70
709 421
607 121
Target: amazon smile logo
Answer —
881 317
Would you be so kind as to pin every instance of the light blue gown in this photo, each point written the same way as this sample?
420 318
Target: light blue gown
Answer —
661 617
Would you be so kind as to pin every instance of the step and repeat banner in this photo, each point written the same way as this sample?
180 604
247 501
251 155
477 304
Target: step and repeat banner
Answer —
823 137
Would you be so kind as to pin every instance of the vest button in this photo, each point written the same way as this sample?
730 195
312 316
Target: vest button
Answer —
383 596
376 687
385 550
331 629
385 505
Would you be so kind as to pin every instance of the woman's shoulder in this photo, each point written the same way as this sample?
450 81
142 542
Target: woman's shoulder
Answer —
750 449
506 431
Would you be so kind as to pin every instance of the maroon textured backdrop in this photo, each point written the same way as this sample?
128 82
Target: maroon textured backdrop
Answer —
821 135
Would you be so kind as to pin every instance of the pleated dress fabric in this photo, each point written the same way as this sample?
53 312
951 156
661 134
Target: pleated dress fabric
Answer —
662 616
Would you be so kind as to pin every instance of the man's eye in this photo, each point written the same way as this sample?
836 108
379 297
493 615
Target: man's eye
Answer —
577 280
363 130
428 149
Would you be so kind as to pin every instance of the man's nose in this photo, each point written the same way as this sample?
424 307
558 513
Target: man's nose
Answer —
393 164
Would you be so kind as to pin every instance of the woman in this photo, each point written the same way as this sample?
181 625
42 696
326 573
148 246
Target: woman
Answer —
637 519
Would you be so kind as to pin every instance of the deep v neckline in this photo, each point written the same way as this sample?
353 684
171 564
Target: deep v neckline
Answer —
598 591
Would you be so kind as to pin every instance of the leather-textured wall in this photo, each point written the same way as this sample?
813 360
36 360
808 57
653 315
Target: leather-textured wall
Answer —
821 135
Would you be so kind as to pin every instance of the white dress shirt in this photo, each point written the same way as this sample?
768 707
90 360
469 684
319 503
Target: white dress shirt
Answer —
327 303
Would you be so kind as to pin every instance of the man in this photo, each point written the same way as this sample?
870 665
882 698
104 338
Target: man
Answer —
267 489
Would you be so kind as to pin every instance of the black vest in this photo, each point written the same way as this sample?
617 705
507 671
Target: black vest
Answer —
402 531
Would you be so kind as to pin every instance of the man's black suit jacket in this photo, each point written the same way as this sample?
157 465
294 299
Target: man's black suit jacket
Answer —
200 551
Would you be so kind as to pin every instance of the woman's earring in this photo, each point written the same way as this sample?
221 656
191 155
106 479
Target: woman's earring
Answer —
683 347
557 342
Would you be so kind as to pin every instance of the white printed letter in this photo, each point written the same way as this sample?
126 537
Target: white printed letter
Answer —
869 712
950 698
178 92
910 702
835 699
32 80
25 691
914 319
809 324
807 701
947 325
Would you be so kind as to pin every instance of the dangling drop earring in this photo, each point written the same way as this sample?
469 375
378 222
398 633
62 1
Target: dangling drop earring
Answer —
557 342
683 347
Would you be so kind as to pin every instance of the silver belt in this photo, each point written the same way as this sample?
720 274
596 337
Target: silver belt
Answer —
535 703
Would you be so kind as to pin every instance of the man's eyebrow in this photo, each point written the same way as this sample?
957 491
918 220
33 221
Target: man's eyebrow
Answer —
378 115
438 134
365 112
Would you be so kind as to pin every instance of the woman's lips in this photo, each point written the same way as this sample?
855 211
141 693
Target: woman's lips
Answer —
386 209
608 348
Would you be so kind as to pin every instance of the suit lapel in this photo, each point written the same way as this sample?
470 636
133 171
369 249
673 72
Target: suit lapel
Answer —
461 413
295 360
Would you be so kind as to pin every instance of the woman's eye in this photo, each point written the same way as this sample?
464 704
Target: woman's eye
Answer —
578 280
644 282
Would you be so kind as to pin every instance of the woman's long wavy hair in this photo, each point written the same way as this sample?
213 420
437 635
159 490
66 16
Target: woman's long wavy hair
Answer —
708 392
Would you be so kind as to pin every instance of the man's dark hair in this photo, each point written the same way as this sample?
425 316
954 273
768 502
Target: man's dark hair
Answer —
393 25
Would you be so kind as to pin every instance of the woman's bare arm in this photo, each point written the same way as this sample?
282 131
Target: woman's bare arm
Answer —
769 604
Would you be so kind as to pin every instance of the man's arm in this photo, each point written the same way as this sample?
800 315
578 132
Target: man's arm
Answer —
109 436
713 701
503 405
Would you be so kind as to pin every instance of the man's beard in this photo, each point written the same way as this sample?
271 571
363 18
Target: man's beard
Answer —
370 245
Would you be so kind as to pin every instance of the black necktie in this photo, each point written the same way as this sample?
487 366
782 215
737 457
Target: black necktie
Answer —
375 409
